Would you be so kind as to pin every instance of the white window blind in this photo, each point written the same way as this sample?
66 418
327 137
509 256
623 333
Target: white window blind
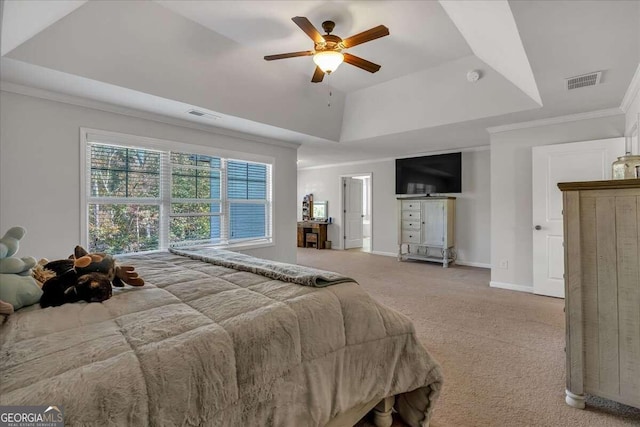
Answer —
248 195
143 199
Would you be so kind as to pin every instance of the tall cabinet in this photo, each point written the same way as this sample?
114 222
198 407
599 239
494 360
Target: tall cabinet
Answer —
602 290
426 229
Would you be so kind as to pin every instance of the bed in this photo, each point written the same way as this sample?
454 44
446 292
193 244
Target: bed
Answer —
210 343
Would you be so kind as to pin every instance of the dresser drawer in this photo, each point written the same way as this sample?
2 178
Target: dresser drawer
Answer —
410 236
411 225
410 205
410 215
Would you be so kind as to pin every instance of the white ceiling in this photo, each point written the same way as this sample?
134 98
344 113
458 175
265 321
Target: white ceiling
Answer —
421 35
28 18
167 56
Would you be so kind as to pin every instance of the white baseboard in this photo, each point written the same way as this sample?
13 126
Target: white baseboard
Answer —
472 263
511 287
384 253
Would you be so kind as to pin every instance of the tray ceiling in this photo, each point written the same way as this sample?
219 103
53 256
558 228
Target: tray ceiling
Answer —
169 56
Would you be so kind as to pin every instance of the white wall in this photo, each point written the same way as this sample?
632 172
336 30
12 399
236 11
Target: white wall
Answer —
473 209
40 172
324 184
511 208
632 112
633 109
473 204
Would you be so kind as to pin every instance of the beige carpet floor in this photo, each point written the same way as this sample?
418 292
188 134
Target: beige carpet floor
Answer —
502 351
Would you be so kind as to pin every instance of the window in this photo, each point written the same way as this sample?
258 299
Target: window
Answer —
141 199
124 207
195 199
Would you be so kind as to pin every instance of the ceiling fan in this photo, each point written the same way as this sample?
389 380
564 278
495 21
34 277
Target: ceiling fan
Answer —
328 49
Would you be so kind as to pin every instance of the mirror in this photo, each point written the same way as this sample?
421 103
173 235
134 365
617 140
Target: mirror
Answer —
320 211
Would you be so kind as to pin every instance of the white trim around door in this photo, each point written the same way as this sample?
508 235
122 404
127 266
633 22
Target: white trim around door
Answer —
367 207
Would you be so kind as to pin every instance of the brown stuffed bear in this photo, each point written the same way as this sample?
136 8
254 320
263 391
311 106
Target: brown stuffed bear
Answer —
87 277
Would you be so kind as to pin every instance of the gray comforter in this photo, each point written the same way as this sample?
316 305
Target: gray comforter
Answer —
206 345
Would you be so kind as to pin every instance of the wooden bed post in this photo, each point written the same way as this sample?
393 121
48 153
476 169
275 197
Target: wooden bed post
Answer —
382 412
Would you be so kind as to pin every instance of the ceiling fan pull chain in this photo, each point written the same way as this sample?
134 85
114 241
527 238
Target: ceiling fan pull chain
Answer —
329 86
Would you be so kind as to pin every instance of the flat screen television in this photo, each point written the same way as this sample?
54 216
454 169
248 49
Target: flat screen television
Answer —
440 173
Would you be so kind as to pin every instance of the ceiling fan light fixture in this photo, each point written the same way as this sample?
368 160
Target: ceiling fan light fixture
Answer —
327 48
328 60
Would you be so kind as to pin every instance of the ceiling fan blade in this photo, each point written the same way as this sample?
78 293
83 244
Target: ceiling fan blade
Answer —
360 63
318 75
306 26
288 55
365 36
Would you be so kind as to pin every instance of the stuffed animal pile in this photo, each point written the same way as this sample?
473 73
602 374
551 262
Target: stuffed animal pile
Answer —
17 288
84 277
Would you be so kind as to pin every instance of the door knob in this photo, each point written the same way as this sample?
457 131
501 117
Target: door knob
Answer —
537 227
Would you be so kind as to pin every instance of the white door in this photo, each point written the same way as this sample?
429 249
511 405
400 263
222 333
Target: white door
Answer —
352 213
576 161
433 223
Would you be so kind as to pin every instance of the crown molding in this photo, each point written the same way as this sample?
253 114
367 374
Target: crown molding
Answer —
131 112
353 163
632 91
386 159
589 115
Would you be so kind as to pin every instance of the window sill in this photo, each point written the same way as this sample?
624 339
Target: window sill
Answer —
239 246
247 245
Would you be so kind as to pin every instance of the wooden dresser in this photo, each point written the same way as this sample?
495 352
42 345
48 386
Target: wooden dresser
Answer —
602 290
318 228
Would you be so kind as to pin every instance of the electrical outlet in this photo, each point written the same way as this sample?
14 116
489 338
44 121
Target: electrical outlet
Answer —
504 264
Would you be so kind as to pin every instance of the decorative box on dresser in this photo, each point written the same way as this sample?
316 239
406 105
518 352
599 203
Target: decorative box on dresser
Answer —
602 290
426 229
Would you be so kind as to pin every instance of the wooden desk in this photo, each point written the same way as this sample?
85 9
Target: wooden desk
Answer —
320 228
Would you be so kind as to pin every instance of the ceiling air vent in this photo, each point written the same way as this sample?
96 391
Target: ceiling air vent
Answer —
584 80
206 115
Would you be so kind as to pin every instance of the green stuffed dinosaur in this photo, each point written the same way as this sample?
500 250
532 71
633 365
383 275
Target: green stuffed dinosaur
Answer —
17 286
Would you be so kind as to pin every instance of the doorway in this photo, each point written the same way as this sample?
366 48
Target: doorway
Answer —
357 216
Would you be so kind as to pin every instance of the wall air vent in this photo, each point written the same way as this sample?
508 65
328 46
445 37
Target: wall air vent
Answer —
584 80
198 113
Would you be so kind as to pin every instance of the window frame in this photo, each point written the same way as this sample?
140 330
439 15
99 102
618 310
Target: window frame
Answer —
165 147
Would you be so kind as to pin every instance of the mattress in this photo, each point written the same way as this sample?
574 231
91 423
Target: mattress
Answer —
207 345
